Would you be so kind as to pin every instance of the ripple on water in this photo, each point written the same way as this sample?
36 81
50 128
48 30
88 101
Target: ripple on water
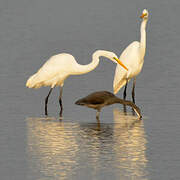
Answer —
73 150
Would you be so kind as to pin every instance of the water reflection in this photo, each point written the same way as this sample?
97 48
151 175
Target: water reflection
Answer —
51 147
76 150
130 145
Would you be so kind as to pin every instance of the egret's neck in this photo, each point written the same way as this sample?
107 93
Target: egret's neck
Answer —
82 69
143 38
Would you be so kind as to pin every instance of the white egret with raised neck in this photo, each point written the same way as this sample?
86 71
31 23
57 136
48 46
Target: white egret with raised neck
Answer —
133 58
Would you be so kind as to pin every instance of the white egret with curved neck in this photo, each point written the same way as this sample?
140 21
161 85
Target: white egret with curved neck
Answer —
133 58
59 67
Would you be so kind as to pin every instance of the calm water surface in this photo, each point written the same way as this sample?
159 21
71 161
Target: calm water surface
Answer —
74 150
120 147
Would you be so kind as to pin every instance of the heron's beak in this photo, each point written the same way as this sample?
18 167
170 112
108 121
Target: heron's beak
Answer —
143 15
120 63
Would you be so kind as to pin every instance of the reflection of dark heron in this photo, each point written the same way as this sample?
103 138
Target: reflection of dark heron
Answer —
98 100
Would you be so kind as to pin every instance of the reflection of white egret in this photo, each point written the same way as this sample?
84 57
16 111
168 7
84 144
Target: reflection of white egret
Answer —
133 58
130 146
65 150
59 150
51 148
59 67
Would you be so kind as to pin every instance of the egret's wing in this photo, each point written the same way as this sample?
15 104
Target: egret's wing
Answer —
128 57
119 79
60 63
56 67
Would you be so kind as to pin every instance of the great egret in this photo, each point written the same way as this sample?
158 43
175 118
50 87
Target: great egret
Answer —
98 100
133 58
59 67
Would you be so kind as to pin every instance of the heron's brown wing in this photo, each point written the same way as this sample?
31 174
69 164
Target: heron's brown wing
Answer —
98 97
94 100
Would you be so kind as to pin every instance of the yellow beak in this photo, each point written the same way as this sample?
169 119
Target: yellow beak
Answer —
142 16
120 63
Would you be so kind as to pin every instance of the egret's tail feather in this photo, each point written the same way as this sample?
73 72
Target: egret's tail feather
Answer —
33 82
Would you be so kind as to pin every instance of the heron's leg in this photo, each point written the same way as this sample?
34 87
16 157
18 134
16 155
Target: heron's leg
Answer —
46 101
98 125
133 90
60 101
97 114
125 89
98 121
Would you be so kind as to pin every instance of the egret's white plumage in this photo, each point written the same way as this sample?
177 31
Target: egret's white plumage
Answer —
59 67
132 57
53 72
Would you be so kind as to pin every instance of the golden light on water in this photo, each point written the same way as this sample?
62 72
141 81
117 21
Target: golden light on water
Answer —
66 150
50 144
130 146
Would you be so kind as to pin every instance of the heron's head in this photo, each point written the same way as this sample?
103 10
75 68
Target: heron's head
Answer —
144 14
80 102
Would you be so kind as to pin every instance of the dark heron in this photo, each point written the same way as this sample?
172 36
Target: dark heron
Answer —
98 100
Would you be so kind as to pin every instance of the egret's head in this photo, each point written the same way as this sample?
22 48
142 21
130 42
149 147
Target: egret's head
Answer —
120 62
110 55
144 14
115 59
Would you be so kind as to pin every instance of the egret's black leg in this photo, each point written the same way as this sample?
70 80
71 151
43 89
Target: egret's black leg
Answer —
133 90
125 89
124 109
46 101
124 95
60 101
